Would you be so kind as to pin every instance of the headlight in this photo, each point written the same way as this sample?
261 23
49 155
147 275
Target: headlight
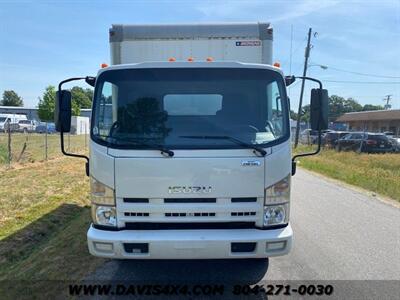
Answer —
104 215
103 204
100 193
278 192
276 203
276 215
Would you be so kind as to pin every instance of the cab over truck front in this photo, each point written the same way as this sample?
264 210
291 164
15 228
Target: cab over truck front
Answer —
190 149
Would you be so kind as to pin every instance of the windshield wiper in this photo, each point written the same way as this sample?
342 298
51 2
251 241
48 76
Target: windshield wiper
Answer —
229 138
164 151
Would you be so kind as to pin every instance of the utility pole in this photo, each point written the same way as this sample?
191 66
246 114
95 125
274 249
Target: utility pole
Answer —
306 56
387 100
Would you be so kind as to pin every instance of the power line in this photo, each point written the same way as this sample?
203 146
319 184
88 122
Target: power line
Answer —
363 82
363 74
295 51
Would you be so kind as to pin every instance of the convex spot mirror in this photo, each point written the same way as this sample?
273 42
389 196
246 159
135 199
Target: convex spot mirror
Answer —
319 109
62 111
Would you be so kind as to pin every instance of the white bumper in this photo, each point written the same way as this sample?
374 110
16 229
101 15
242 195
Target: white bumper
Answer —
190 244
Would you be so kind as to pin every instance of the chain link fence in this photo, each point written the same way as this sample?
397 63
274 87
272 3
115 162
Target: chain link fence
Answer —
28 146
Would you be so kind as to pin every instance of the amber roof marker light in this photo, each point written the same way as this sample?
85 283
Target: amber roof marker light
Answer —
103 65
171 59
277 64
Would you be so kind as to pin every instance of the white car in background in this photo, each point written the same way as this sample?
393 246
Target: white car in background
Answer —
11 120
394 140
26 126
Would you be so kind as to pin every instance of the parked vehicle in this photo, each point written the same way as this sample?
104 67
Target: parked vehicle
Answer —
10 120
365 142
27 125
308 137
190 152
330 138
394 140
41 128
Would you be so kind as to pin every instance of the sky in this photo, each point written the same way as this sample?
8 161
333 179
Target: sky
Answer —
44 42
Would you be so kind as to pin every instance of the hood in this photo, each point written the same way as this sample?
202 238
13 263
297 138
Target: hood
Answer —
185 177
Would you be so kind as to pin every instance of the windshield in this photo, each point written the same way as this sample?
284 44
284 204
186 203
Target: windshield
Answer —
187 107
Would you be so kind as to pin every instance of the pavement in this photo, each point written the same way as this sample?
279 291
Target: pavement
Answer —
340 233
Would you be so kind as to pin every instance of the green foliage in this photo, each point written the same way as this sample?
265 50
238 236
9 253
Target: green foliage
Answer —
82 97
11 98
337 107
379 173
368 107
293 115
3 154
46 105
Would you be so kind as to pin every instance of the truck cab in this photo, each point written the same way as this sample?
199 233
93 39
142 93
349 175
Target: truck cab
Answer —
196 159
190 150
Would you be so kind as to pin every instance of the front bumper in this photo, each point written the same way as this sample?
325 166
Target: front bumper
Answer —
190 244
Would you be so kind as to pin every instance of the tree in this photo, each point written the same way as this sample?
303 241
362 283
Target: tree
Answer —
305 114
336 107
11 98
367 107
47 104
339 106
351 105
82 97
293 115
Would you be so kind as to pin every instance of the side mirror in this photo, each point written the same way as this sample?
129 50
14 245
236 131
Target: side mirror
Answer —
62 111
319 109
289 80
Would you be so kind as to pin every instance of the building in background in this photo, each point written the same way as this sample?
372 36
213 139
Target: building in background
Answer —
86 112
32 112
80 125
373 121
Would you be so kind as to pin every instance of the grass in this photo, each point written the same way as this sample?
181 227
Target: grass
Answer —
36 146
3 154
379 173
44 216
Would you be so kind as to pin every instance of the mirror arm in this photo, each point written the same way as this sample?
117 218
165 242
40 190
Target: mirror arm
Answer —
310 78
62 132
294 162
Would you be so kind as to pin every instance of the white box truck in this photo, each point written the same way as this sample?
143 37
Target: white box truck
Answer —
10 121
190 150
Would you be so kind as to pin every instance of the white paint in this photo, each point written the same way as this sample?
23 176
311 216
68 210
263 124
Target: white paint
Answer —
175 244
148 174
